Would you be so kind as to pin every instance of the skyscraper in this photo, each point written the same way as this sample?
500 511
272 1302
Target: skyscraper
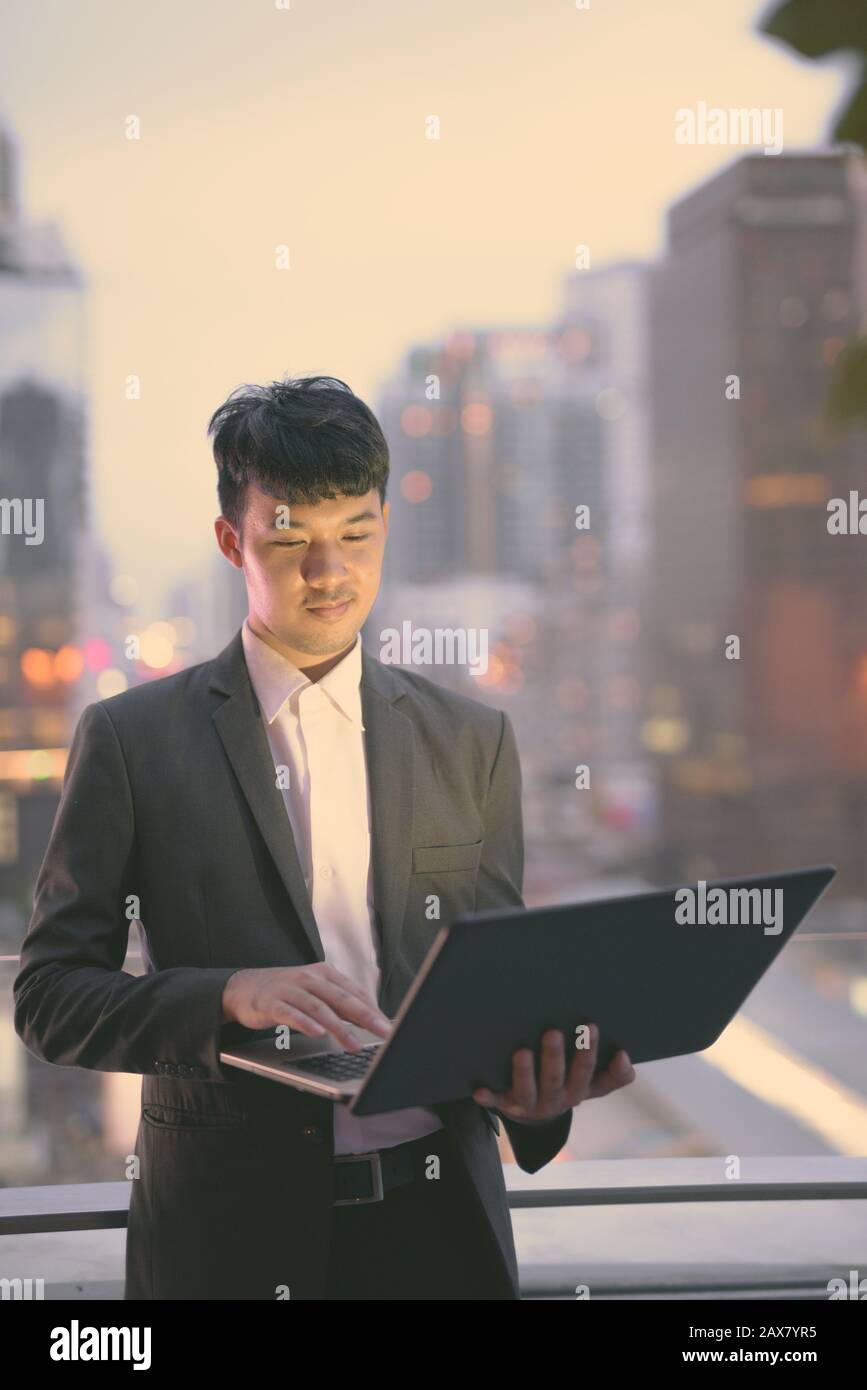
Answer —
757 701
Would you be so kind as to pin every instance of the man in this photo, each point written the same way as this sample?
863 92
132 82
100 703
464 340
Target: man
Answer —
279 820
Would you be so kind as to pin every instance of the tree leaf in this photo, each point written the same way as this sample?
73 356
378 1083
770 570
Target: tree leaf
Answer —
847 398
818 27
850 126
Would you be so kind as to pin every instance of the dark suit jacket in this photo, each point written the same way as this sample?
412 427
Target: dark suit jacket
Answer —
170 795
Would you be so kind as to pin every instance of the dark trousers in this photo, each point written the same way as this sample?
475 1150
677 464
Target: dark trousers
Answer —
426 1240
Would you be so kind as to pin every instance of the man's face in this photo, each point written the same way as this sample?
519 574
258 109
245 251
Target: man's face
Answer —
300 561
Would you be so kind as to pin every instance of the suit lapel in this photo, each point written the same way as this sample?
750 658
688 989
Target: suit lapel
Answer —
239 723
389 747
388 739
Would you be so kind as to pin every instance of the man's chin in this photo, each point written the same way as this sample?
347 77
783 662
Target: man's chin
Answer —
332 639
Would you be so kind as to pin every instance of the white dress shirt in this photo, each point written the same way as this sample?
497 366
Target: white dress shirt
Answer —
314 729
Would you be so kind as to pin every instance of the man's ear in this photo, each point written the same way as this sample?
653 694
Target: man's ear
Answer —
227 540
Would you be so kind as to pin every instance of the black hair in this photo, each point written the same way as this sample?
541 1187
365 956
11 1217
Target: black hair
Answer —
300 440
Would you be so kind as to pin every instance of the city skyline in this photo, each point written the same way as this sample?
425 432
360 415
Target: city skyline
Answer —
442 242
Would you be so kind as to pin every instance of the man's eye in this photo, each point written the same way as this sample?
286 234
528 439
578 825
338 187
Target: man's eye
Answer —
293 544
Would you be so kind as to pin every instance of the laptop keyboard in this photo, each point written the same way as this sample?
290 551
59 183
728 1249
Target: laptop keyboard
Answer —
340 1066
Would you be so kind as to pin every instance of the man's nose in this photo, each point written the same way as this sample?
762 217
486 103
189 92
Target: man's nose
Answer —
324 566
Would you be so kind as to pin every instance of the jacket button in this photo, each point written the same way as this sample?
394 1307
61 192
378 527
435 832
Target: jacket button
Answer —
312 1134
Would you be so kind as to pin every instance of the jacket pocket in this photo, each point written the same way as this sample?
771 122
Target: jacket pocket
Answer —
438 859
178 1117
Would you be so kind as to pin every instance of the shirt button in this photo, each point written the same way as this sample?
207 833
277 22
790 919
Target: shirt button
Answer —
326 872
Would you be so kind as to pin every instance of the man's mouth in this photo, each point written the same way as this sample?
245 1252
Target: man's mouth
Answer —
330 610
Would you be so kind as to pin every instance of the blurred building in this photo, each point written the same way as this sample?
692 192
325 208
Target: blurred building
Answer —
471 426
211 601
605 321
50 1118
762 759
42 487
497 438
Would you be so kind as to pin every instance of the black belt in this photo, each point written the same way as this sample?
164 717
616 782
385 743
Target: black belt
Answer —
360 1178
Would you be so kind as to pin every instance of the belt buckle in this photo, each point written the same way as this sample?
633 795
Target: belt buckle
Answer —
375 1177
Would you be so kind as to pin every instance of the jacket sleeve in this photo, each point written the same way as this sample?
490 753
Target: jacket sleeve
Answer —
500 884
74 1004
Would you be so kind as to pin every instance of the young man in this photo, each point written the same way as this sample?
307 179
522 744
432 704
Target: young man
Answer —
280 817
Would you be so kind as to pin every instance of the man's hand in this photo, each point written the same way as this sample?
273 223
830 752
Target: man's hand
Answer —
533 1104
313 999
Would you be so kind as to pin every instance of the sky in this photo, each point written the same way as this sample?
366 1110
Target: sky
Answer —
302 123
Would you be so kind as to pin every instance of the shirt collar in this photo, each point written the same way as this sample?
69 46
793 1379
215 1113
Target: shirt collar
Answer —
275 678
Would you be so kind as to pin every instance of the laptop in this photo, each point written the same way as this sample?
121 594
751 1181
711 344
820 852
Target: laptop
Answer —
661 973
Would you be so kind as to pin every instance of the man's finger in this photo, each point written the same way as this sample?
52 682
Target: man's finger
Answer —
581 1070
552 1067
298 1022
330 972
620 1073
522 1097
314 1007
347 1004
